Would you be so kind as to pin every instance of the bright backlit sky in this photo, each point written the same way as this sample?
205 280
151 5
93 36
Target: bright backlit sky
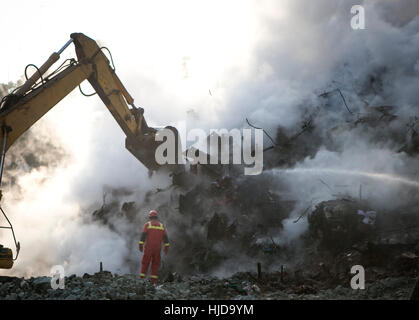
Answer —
169 54
185 45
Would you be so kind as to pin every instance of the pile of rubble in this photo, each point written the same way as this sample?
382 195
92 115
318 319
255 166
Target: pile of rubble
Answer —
216 214
218 221
107 286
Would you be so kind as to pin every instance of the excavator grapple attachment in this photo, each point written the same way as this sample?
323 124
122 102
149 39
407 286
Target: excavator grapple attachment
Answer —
6 258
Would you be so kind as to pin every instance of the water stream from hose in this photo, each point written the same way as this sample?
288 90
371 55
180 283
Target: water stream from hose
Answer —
386 177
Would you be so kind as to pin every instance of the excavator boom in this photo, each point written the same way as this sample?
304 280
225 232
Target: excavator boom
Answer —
29 106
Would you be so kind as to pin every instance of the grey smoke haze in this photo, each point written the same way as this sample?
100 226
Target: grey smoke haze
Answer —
302 48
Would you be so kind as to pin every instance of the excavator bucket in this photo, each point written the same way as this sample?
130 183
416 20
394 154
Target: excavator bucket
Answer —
6 258
6 254
144 150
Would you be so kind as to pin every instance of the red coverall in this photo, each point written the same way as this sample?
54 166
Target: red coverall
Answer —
153 234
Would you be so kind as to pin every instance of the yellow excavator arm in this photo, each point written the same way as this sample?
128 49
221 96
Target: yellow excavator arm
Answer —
30 102
27 106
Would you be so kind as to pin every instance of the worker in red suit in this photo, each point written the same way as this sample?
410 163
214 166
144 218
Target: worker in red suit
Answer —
154 233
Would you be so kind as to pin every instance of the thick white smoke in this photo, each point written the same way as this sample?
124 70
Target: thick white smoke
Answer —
339 57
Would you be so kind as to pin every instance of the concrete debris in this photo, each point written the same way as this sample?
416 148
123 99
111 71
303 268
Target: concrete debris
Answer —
242 285
339 224
368 217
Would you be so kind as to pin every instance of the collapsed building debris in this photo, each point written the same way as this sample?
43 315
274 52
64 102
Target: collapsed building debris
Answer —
222 217
338 224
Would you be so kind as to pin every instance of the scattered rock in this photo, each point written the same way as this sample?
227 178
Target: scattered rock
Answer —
42 283
242 285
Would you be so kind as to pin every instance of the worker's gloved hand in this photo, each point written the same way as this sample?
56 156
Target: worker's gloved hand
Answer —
166 249
141 247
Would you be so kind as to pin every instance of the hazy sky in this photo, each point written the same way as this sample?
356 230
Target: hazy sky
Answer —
181 46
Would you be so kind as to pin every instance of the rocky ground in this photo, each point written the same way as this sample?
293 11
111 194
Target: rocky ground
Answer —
108 286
